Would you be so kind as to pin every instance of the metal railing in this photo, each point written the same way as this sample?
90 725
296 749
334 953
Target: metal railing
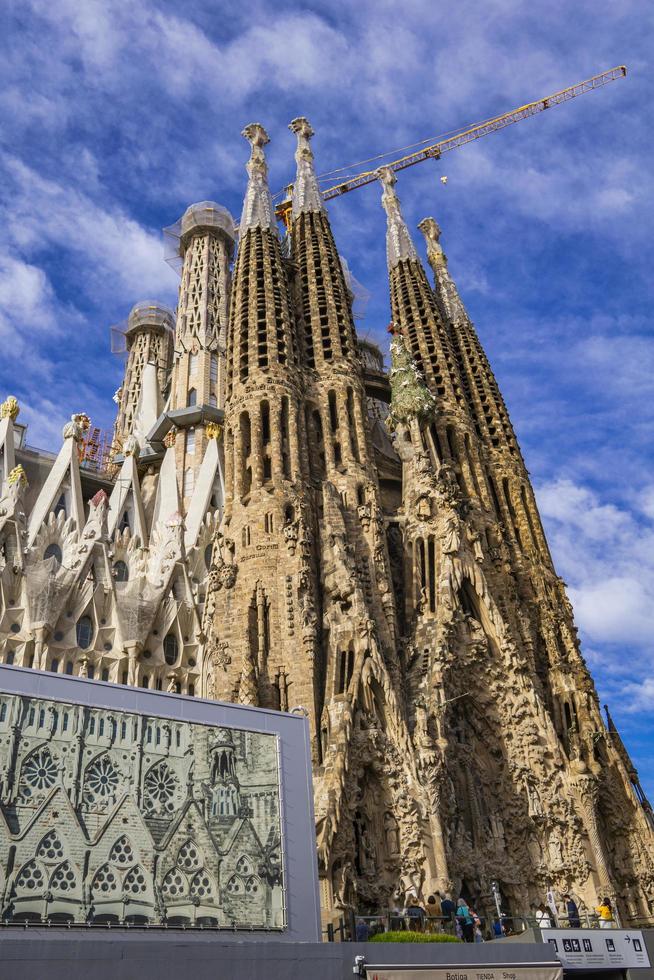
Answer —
345 929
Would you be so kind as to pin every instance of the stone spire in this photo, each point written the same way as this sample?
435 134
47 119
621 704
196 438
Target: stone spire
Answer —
511 492
399 245
414 311
325 306
259 565
306 193
258 210
149 338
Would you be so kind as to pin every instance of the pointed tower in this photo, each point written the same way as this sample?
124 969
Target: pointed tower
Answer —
149 339
508 481
340 450
359 658
262 585
205 243
416 316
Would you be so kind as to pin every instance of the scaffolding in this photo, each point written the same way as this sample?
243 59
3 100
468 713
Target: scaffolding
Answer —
205 214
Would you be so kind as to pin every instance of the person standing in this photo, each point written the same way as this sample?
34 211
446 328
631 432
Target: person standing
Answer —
543 920
415 915
572 912
605 913
434 912
448 908
465 918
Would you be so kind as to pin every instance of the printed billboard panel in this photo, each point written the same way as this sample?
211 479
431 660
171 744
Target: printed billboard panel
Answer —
112 816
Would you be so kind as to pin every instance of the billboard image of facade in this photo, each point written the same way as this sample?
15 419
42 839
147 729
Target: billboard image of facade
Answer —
115 816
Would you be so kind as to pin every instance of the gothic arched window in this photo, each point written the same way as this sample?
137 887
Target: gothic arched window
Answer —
170 649
189 856
121 571
201 886
135 883
122 853
84 632
192 399
174 884
105 881
50 849
63 879
30 878
53 551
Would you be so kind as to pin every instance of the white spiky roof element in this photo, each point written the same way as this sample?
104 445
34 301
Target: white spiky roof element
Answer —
399 246
258 210
306 193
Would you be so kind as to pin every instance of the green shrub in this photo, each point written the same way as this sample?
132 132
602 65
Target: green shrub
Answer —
413 937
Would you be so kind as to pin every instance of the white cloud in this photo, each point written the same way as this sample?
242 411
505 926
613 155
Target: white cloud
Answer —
606 554
114 253
26 297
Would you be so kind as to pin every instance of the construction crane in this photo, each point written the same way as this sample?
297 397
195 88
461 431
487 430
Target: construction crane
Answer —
459 138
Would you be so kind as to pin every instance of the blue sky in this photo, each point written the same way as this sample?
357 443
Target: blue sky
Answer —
117 114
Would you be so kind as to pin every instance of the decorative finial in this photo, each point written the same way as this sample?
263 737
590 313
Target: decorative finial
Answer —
432 232
9 408
213 430
17 475
399 246
77 427
131 447
306 193
258 210
100 499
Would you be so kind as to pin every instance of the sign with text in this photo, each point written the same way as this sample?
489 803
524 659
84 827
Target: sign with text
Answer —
598 949
420 972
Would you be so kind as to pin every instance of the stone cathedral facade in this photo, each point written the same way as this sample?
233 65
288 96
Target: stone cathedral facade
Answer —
287 525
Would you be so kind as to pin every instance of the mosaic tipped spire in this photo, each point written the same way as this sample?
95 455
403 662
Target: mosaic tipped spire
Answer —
432 232
399 246
306 193
258 210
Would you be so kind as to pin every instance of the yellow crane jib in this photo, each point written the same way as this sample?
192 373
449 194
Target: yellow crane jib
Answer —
460 138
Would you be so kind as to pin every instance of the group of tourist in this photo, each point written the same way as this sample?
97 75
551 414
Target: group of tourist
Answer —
439 910
545 918
441 913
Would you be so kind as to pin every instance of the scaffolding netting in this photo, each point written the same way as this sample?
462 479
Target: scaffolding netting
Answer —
206 214
137 606
48 584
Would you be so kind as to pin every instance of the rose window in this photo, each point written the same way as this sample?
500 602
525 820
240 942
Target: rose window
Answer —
235 886
135 881
40 770
31 877
63 879
104 882
101 779
122 853
201 886
50 849
159 788
174 884
188 857
252 885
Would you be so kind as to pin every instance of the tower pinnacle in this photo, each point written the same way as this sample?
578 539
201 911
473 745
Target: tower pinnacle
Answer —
399 245
258 210
306 193
432 232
